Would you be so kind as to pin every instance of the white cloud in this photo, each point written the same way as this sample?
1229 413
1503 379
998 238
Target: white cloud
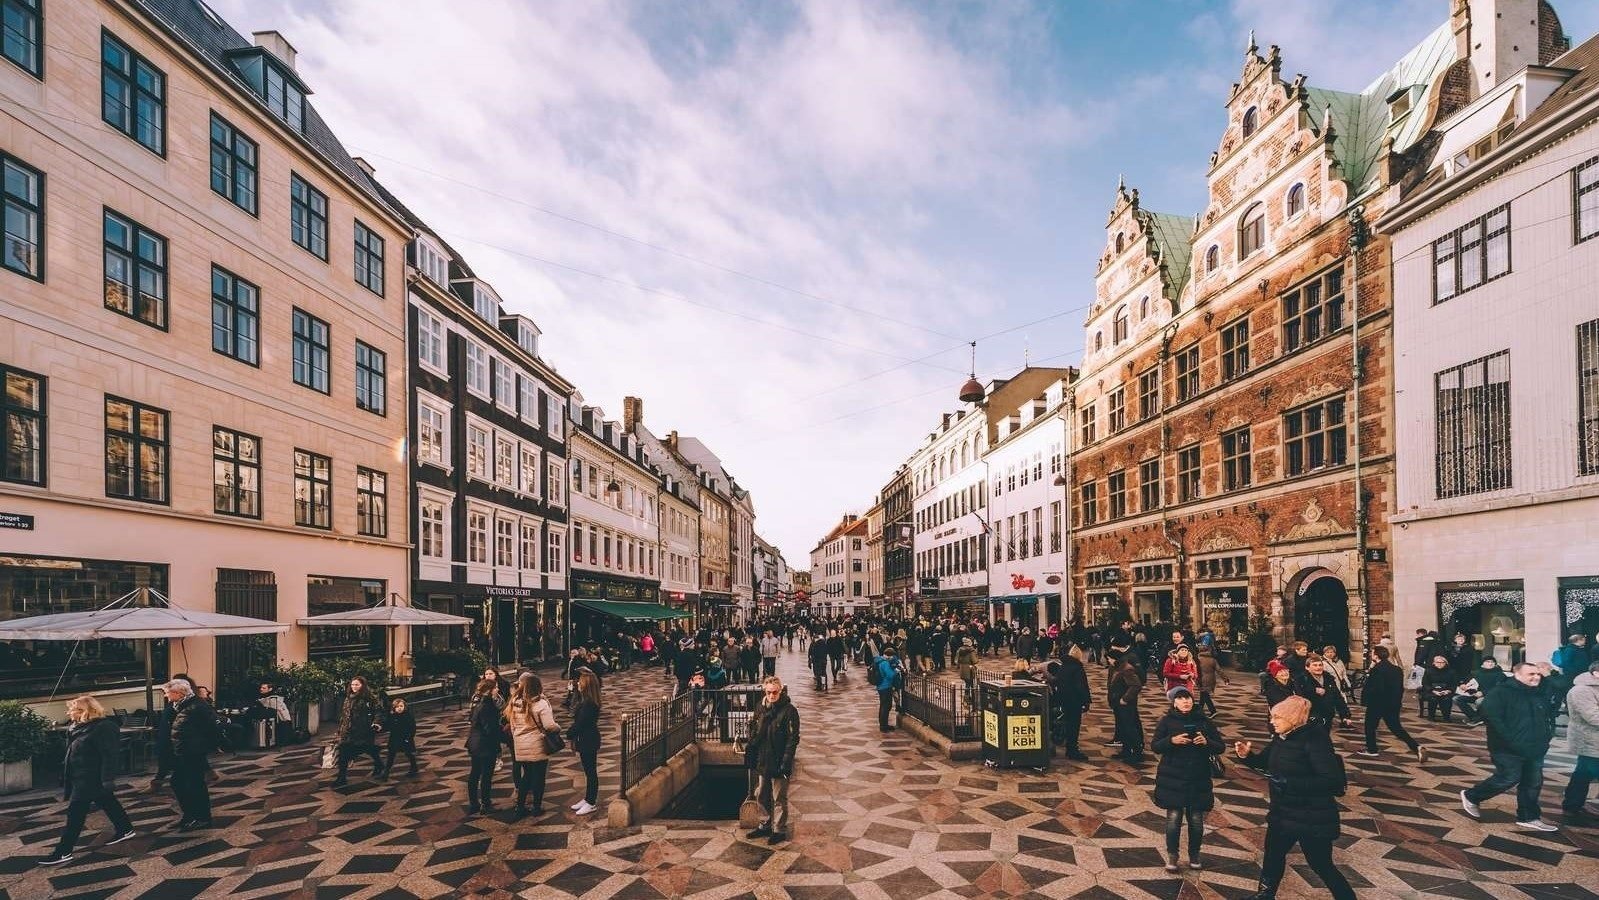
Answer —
815 154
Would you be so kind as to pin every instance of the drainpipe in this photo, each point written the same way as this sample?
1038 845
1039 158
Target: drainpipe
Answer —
1166 338
1068 407
1358 235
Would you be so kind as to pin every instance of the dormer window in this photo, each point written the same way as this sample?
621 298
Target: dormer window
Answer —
283 92
527 337
1399 103
485 304
1251 121
432 263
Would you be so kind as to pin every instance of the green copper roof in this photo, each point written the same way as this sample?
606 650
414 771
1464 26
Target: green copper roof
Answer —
1175 236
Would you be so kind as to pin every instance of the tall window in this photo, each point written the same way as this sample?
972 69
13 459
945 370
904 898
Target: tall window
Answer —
22 198
1212 259
477 452
368 259
1119 329
430 435
235 473
1054 526
136 451
1474 426
135 270
530 471
19 41
233 165
1251 119
1585 200
272 83
235 316
477 369
1236 469
1188 474
1088 494
477 536
1313 309
371 502
1149 492
308 216
529 555
1188 373
553 481
1118 410
431 530
371 379
504 542
1473 254
504 384
311 352
313 489
1148 394
1315 436
133 97
557 553
1235 350
1116 490
22 427
504 461
430 340
1588 398
1090 424
1252 231
1295 203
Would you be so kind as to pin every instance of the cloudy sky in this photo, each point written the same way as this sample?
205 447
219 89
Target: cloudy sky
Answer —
781 222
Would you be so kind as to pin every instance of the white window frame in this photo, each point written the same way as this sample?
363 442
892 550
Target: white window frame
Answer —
428 404
526 543
557 539
485 304
432 263
504 379
477 369
505 460
442 525
528 470
527 398
478 522
557 417
484 467
555 482
431 340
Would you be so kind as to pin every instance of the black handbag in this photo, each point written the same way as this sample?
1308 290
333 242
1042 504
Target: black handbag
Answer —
553 742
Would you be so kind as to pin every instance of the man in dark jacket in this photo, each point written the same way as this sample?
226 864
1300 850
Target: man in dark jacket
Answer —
1071 696
1318 686
773 739
194 736
1383 696
1519 732
1124 688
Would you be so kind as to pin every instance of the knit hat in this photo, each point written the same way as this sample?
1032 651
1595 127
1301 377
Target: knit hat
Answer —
1275 666
1179 691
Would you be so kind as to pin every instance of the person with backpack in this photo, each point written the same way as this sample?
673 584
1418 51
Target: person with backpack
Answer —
1186 741
885 675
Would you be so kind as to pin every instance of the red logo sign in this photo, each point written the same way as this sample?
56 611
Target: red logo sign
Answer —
1021 583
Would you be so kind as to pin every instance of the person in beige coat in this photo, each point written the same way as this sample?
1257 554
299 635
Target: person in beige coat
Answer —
531 719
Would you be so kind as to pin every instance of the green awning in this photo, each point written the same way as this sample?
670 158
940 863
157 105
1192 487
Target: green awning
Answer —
632 612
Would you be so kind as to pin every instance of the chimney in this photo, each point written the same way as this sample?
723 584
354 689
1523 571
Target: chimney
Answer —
671 439
276 44
1500 37
632 413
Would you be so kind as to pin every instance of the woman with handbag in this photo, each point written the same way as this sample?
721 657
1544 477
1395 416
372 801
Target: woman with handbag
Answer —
485 731
1190 748
585 735
535 736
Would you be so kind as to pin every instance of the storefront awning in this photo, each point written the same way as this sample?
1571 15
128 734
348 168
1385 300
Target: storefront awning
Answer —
631 612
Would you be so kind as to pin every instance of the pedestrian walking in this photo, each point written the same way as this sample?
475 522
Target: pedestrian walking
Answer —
773 740
194 737
1383 696
163 737
1125 686
585 736
817 655
1582 731
89 777
1278 684
1187 742
769 649
1337 669
400 724
1519 731
885 676
1209 673
358 729
1304 777
966 663
485 731
1071 696
532 722
1318 686
1180 670
835 652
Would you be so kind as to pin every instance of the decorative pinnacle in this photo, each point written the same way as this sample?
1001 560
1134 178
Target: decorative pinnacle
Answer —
1252 45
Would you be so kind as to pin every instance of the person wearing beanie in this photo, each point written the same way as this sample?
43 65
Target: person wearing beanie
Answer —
1305 777
1278 685
1185 740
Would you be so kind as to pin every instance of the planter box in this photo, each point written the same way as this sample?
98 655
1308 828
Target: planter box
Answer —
16 777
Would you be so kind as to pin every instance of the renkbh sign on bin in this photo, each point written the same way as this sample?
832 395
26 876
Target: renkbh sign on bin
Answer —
1015 723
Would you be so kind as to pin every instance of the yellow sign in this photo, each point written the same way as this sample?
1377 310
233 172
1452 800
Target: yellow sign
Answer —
990 728
1025 733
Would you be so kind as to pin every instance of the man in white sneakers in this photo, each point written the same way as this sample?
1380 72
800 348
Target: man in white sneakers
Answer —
1520 728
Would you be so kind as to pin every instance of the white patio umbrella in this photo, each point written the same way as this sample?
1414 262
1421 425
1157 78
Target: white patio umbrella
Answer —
132 617
391 612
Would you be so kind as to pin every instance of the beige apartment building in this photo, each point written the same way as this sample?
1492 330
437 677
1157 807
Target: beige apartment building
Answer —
202 341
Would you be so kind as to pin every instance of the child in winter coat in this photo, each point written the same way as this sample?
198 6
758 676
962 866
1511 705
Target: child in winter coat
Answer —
401 725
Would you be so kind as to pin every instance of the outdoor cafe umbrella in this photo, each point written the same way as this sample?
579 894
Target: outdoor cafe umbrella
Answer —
391 612
132 617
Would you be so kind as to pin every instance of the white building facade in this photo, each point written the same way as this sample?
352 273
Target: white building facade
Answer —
615 521
949 495
1497 370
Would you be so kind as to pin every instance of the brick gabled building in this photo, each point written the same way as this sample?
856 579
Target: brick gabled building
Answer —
1224 417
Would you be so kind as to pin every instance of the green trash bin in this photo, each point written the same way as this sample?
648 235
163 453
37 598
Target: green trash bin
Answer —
1015 724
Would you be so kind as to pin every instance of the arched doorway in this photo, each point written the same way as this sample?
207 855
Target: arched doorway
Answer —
1321 609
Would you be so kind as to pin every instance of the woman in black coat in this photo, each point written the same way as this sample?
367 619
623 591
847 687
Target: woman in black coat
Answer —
89 776
585 737
485 731
1186 740
1438 683
1305 779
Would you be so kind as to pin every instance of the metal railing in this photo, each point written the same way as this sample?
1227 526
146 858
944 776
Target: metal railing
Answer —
723 715
654 735
942 702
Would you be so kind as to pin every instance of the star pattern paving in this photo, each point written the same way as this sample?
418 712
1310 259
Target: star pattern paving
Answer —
876 817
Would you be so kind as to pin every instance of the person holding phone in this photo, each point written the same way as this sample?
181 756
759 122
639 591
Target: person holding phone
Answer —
1187 742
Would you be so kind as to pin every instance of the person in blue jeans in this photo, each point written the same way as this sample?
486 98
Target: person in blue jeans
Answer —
887 667
1519 731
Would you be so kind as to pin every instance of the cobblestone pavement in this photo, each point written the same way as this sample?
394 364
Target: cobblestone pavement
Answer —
875 817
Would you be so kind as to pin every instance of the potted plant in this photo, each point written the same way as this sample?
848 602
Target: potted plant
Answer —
304 686
22 734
